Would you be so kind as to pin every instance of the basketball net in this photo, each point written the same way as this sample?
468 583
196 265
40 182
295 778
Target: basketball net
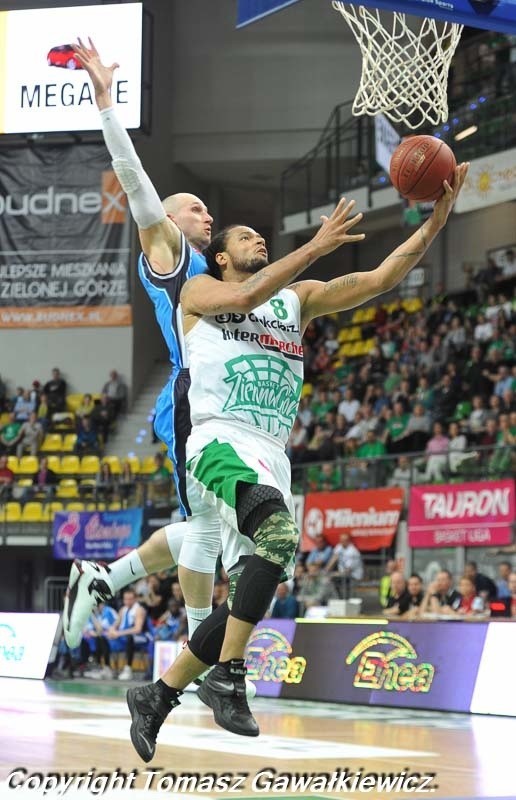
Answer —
404 71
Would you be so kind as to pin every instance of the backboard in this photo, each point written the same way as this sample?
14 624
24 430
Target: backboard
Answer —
253 10
495 15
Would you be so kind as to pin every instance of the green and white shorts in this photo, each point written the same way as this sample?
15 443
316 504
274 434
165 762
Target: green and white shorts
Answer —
218 456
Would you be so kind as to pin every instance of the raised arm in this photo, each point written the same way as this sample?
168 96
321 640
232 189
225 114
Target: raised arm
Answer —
318 298
207 296
160 237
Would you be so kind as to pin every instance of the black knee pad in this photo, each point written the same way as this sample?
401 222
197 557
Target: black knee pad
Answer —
255 589
206 642
254 503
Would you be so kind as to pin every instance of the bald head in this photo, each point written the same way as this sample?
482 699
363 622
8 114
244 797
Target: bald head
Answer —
191 216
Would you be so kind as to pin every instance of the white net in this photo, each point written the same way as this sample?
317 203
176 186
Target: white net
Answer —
404 71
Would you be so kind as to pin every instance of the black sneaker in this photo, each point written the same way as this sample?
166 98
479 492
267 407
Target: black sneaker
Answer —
149 709
223 690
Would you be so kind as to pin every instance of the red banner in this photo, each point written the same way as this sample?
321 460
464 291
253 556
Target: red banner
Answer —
370 517
479 514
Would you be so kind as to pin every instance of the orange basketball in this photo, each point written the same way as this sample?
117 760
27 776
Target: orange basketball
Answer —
419 165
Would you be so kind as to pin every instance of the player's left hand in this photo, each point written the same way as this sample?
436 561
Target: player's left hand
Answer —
445 203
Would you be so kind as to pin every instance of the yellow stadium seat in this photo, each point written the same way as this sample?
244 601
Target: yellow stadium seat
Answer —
5 417
75 506
73 401
95 506
12 463
115 506
69 442
67 488
148 465
52 443
54 463
24 482
90 465
11 512
28 465
134 463
32 512
307 390
70 465
114 464
49 510
168 464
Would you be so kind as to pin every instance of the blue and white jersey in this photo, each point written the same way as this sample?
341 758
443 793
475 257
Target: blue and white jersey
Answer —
172 419
165 291
107 617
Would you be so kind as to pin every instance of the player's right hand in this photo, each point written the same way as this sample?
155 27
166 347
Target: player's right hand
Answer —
334 229
101 76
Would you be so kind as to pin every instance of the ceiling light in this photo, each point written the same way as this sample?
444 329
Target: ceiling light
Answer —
465 133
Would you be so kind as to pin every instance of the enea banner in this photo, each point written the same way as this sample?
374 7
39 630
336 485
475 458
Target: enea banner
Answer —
370 517
270 659
104 535
25 644
42 85
462 515
64 239
411 665
490 180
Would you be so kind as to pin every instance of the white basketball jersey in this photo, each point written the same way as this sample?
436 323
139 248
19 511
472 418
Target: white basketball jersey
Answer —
248 367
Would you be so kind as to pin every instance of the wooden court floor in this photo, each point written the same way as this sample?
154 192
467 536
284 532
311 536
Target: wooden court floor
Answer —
69 728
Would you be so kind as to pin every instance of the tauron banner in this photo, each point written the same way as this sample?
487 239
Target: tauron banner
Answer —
370 517
479 514
64 239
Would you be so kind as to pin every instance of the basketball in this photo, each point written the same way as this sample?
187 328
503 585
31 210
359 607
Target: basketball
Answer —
418 167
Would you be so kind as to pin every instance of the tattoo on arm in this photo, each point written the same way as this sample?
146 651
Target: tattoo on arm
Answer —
348 281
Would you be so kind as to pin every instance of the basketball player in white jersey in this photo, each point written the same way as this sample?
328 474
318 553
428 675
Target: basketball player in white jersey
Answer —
171 235
243 327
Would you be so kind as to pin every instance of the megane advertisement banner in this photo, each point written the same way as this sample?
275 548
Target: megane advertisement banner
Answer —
43 87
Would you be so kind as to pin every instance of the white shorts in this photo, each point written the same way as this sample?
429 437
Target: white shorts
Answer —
220 455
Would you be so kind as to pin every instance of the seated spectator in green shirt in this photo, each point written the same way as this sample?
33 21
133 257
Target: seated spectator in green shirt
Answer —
321 405
159 491
393 379
396 427
10 435
372 447
326 478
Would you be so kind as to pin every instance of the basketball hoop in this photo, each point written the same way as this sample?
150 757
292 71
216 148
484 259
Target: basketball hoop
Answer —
404 71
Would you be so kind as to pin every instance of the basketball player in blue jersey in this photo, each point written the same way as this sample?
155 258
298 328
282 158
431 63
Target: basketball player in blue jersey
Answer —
171 234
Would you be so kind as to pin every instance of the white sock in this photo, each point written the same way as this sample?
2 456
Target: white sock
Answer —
126 570
195 616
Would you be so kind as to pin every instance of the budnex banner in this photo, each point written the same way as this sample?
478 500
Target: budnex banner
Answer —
462 515
370 517
104 535
64 239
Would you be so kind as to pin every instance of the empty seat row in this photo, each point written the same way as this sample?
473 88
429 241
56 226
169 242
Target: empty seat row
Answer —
45 512
87 465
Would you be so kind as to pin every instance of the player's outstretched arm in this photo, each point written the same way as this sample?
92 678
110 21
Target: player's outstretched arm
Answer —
318 298
206 296
159 236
